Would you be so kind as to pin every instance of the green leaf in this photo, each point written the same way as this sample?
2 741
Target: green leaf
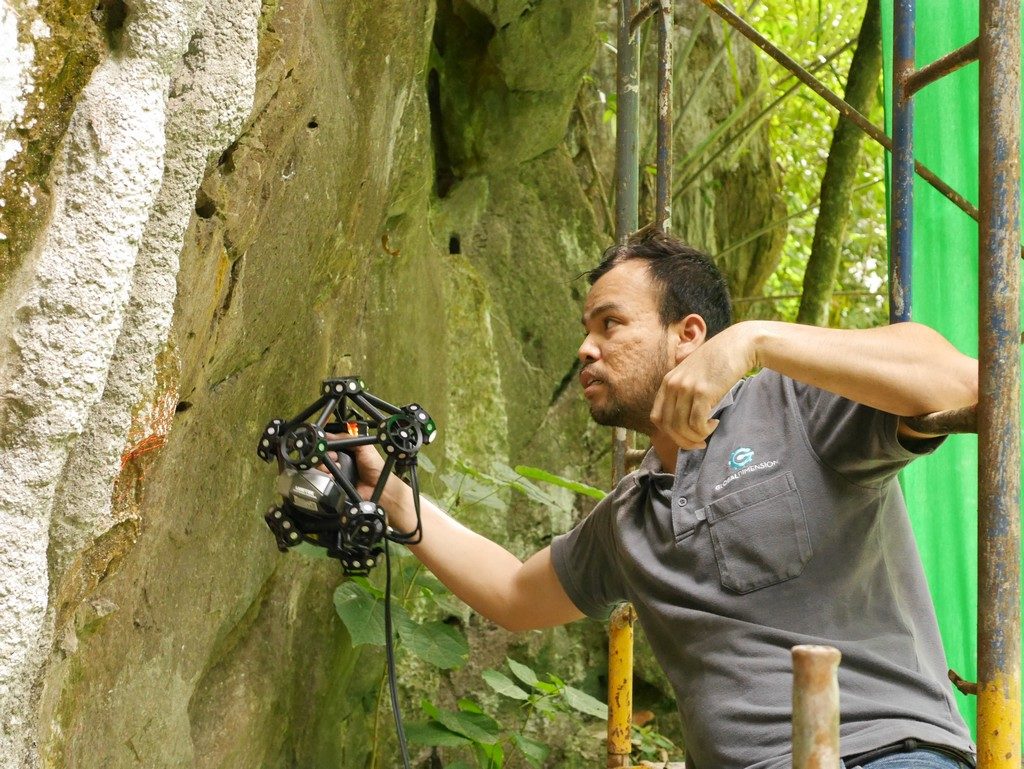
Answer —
494 755
534 752
504 685
470 491
425 463
433 734
584 703
476 726
546 688
362 613
523 673
368 586
468 706
459 765
437 643
556 480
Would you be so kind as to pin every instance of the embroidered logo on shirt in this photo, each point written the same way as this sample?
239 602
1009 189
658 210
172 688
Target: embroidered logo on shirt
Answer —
740 458
765 464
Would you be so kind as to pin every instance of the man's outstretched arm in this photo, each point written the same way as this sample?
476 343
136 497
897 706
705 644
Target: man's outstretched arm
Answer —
905 369
494 582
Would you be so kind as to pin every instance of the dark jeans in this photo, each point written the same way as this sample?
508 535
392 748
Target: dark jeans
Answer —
915 759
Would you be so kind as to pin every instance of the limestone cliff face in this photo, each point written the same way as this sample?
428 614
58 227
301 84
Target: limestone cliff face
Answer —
207 208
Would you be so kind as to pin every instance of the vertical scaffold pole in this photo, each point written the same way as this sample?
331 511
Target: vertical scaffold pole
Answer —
627 165
902 214
815 707
999 642
663 191
627 199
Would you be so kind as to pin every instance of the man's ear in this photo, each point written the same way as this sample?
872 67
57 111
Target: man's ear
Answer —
688 334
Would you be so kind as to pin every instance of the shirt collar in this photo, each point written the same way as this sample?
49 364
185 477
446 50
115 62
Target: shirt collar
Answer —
650 464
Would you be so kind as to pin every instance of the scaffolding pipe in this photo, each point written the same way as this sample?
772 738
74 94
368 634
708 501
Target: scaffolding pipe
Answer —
939 68
663 183
620 685
815 707
901 234
627 166
845 110
627 201
999 598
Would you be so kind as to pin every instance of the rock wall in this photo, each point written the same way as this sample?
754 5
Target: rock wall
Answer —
207 208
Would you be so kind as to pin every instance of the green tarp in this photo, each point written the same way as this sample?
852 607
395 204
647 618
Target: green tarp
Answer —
942 490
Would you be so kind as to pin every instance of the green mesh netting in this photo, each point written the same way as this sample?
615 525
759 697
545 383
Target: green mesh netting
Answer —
941 490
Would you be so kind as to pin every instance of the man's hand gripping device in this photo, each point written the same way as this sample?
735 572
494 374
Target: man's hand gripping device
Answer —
327 510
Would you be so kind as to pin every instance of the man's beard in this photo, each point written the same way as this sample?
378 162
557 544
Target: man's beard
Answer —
632 413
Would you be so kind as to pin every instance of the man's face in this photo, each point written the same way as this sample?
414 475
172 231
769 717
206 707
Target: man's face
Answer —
627 351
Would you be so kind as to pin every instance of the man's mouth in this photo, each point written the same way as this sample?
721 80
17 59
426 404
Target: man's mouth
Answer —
589 381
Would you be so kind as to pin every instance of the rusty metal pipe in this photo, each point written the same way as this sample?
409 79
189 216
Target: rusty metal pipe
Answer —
815 707
963 420
663 182
845 110
999 483
647 11
901 234
627 165
939 68
620 685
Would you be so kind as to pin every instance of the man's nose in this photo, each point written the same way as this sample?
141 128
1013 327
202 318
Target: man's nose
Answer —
588 351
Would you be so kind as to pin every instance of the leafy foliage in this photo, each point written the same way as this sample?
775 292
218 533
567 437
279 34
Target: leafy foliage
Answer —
801 129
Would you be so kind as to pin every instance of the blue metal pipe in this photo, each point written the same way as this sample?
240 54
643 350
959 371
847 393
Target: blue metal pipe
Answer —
901 218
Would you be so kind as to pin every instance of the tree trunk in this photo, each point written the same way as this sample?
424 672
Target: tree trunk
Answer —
840 172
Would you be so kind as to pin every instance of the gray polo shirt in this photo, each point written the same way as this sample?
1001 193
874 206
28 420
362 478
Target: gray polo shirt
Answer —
789 528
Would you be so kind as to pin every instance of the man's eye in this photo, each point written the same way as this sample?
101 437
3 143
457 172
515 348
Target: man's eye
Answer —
609 323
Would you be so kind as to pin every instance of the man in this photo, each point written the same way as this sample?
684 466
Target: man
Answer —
767 514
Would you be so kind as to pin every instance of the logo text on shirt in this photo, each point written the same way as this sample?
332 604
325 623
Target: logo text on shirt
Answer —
767 464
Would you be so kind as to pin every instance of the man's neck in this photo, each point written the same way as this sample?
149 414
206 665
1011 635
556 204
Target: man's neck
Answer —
666 449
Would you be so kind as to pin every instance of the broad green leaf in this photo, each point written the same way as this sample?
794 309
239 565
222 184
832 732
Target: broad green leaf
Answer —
523 673
425 463
534 752
546 688
516 481
431 583
433 734
362 613
437 643
584 703
467 705
476 726
470 491
493 754
556 480
368 586
502 684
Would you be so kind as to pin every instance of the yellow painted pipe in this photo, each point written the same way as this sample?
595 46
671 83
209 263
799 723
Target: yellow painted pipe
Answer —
620 686
999 715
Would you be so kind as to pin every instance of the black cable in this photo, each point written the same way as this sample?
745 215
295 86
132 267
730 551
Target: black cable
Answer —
389 648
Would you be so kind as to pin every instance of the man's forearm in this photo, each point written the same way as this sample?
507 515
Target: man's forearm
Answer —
905 369
486 576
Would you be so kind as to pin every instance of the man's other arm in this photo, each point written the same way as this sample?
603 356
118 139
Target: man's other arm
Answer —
905 369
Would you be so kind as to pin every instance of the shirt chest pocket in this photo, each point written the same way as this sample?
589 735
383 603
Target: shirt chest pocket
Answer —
759 534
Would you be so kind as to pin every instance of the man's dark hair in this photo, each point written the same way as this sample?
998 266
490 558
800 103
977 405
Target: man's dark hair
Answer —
688 280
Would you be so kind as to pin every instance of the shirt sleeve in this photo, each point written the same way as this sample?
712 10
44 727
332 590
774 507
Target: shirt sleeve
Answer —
584 560
859 442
